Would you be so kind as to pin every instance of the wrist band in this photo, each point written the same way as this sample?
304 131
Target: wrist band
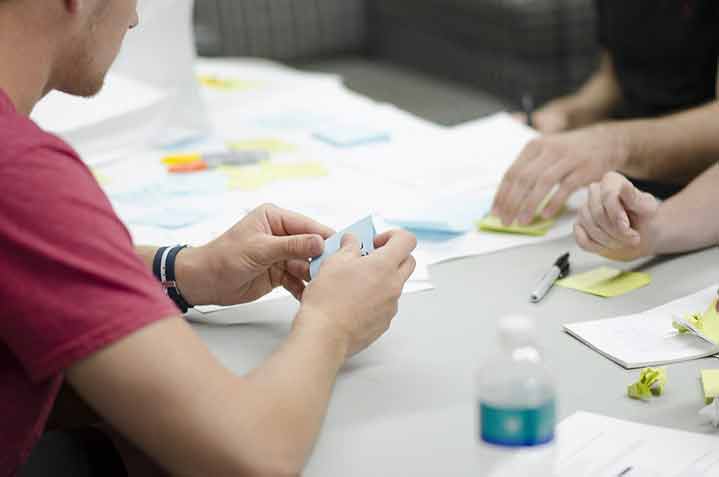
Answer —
163 267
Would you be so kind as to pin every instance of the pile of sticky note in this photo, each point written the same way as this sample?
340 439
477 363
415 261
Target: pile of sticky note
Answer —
254 177
537 228
606 282
651 383
710 384
706 323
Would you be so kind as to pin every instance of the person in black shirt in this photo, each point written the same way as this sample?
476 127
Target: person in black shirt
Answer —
650 111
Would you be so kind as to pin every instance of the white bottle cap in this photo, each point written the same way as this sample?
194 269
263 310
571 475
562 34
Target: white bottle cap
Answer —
517 330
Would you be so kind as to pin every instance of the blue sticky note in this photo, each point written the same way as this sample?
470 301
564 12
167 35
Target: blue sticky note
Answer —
169 218
348 135
454 214
363 230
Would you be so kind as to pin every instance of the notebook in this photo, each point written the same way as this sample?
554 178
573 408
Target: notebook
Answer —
648 338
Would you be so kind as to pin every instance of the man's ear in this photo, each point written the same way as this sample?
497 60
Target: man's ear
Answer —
72 6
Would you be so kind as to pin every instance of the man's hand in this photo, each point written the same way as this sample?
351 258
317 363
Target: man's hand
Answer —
269 248
616 221
356 297
568 161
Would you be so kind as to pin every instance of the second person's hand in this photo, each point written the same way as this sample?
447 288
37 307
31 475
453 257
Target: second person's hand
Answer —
616 221
568 160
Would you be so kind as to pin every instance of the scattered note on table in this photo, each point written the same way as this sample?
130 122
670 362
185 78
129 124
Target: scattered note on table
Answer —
249 178
348 135
363 230
710 384
171 218
101 178
606 282
227 84
269 145
453 214
651 383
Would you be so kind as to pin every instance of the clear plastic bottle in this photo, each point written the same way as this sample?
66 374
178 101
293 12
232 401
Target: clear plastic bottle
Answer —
516 406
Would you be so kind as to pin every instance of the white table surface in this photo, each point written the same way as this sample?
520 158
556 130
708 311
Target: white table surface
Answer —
406 405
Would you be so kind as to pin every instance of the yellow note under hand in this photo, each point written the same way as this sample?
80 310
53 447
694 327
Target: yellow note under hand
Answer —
606 282
537 228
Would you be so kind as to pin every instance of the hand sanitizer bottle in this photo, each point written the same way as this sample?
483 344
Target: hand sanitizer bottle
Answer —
516 406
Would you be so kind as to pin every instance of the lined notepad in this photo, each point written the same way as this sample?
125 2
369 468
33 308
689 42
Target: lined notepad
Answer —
648 338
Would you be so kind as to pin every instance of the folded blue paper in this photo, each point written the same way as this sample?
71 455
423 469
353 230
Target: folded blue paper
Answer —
363 230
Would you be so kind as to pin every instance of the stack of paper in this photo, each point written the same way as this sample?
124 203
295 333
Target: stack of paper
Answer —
648 338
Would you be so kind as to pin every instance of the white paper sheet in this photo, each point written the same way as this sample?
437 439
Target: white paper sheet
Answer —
648 338
591 445
239 314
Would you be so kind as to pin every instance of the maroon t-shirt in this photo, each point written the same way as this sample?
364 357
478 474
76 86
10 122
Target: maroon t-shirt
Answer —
70 281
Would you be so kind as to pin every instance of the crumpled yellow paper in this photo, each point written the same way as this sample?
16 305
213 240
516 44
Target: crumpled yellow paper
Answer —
651 383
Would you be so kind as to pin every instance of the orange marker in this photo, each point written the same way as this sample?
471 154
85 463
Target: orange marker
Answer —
196 166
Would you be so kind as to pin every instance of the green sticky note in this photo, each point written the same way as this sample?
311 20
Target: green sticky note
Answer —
710 383
537 228
606 282
651 383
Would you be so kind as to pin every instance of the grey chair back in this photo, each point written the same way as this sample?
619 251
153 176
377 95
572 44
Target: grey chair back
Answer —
280 29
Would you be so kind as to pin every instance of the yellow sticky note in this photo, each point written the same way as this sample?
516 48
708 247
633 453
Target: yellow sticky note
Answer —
226 84
710 383
606 282
269 145
101 178
254 177
537 228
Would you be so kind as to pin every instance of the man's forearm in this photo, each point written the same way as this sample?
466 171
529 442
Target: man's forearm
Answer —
688 220
597 98
673 149
295 387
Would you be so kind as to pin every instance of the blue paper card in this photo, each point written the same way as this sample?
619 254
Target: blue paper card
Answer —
348 135
364 231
